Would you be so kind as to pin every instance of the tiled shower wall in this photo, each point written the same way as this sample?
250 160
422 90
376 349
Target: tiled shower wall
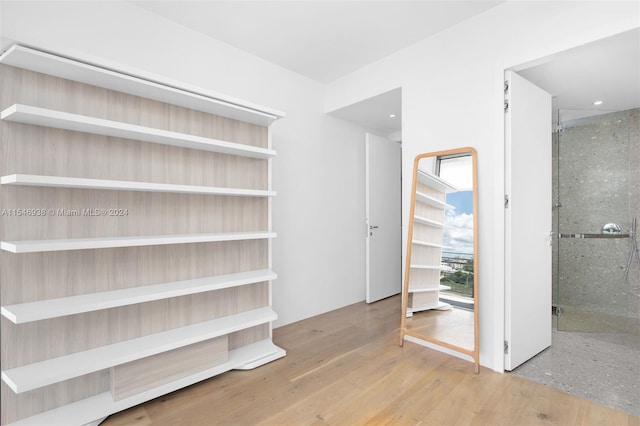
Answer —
596 181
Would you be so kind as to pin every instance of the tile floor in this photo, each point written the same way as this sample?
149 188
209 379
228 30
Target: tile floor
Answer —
600 367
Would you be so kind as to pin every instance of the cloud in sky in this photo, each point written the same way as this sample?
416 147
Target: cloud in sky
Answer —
458 232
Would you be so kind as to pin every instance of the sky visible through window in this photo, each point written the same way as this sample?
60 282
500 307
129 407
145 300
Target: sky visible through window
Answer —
458 232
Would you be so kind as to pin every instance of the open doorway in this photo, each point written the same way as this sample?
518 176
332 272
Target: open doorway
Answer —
595 203
381 116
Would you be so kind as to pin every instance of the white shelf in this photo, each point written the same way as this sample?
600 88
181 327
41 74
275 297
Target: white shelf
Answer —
465 300
82 123
425 199
440 306
428 289
122 185
435 182
37 375
96 407
416 266
426 244
59 307
33 246
428 222
138 83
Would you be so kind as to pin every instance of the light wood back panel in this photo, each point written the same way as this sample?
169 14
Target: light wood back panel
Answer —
49 275
128 213
27 87
24 278
144 374
23 405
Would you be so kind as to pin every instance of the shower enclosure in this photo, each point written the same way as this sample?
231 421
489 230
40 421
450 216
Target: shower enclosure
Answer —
596 271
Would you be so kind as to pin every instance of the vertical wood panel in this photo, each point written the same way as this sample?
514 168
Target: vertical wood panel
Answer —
144 374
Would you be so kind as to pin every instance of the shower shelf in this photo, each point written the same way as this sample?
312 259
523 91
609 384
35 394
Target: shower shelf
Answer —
583 236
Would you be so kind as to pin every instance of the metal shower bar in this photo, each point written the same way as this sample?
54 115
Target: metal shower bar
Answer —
593 235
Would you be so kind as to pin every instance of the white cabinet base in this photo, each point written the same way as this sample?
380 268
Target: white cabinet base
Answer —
95 409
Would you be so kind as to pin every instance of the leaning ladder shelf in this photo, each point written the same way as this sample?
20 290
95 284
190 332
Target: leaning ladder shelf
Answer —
35 375
424 295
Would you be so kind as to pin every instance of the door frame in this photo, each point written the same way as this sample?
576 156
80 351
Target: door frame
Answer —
500 223
534 298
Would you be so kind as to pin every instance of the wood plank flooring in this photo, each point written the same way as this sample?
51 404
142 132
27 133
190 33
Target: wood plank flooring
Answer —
346 368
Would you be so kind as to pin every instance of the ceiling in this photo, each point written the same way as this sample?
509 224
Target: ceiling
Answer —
323 40
607 70
381 113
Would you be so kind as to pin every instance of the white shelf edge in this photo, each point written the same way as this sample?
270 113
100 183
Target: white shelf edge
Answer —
81 123
64 306
96 407
139 83
34 246
427 244
422 290
425 199
435 182
438 306
427 289
428 222
55 370
122 185
457 298
416 266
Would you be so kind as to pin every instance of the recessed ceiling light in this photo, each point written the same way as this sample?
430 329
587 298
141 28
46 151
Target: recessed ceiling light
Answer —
392 116
596 103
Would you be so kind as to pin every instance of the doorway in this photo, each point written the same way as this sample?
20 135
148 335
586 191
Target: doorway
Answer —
596 176
381 117
383 218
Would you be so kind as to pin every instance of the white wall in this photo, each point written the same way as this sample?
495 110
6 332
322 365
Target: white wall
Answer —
318 172
452 96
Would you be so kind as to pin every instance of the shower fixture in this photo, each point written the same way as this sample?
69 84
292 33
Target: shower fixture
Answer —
612 228
633 251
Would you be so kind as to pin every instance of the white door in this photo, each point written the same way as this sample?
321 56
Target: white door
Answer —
383 221
527 220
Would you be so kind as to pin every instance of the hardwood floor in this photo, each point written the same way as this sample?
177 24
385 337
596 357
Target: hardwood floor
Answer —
346 368
454 326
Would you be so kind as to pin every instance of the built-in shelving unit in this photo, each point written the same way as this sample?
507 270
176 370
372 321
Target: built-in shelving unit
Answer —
63 306
37 375
428 228
198 301
35 246
85 411
138 83
80 123
119 185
